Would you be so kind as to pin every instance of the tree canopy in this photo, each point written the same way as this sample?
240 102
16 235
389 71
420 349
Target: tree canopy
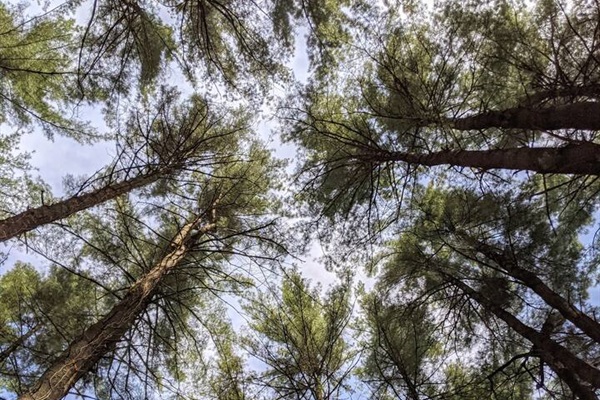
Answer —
445 162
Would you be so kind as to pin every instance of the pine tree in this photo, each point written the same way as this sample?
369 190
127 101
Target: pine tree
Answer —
83 353
176 137
231 201
301 338
413 129
38 312
448 263
512 88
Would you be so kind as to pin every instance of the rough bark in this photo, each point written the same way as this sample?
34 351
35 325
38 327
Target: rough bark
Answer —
561 356
580 115
85 351
552 323
35 217
580 159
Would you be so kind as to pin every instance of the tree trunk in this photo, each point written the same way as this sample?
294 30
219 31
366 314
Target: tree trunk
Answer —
581 115
84 352
581 159
580 390
318 390
31 219
559 354
550 297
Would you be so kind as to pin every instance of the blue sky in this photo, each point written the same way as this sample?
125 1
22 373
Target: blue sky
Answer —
53 159
56 158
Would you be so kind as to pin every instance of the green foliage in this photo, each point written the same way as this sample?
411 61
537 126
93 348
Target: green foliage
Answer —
471 236
388 80
406 88
37 78
301 339
399 344
240 44
328 27
230 381
122 41
47 310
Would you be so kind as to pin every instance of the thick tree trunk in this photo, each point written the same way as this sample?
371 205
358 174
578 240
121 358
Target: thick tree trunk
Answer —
580 159
581 115
553 299
560 355
84 352
31 219
580 390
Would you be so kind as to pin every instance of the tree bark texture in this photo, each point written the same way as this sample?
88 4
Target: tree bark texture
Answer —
85 351
580 390
579 159
35 217
559 354
580 115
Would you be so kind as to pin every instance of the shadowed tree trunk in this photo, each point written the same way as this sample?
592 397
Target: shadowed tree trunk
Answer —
84 352
563 362
550 297
581 159
581 115
582 391
35 217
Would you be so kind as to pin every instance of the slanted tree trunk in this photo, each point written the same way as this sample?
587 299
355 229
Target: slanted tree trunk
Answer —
580 390
550 297
85 351
35 217
580 159
555 354
580 115
548 328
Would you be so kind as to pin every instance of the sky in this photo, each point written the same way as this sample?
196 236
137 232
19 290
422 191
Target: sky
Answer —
53 158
